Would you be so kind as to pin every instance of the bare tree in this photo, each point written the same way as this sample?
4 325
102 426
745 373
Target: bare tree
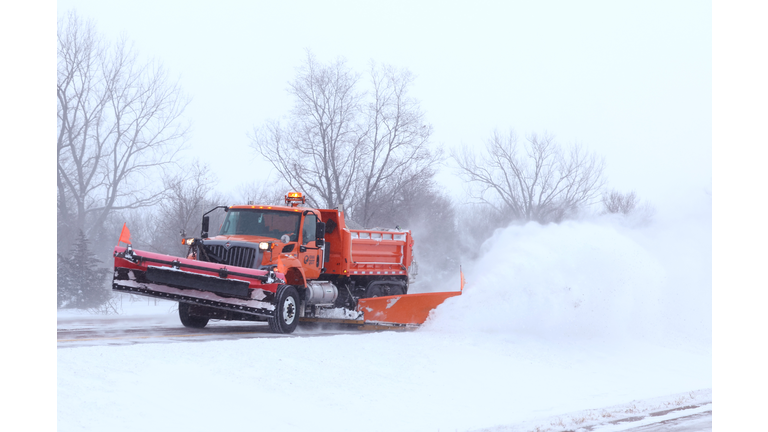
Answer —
317 152
179 214
119 126
343 146
538 181
268 192
629 205
617 202
394 150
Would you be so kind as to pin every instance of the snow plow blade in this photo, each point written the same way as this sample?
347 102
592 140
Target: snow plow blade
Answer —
237 289
405 309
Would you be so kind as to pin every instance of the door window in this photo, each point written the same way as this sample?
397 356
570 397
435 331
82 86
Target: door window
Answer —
308 232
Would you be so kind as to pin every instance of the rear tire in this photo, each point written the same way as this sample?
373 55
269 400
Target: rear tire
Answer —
380 290
286 310
188 320
397 290
374 291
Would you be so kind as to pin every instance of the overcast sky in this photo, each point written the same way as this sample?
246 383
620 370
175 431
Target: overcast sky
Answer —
629 80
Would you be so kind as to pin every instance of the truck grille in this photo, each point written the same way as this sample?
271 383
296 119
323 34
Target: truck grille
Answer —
235 256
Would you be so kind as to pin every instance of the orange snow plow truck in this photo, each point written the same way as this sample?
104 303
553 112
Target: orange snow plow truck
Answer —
283 264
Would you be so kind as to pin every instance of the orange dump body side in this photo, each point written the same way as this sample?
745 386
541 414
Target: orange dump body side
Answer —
376 252
365 252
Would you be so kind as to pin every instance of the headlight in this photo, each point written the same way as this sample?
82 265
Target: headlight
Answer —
188 241
263 245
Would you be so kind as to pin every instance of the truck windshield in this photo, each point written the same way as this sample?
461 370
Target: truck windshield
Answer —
265 223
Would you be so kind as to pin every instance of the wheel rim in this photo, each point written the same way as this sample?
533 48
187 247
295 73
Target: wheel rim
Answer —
289 310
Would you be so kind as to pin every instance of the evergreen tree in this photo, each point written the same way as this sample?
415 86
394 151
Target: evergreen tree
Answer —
81 281
62 281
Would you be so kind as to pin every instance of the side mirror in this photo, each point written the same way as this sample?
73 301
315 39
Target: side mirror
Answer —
206 222
320 230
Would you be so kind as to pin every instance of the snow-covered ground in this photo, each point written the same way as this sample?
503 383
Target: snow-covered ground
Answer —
559 327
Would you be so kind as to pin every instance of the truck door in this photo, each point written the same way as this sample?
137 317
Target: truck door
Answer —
310 255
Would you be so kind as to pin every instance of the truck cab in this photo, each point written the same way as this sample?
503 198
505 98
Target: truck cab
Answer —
287 238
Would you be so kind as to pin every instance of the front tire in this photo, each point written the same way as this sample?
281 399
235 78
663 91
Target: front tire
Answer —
188 320
286 310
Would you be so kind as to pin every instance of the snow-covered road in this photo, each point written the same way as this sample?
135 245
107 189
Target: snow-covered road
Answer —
423 380
119 330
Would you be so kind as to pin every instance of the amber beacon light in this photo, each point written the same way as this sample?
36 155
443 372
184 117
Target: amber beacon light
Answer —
294 198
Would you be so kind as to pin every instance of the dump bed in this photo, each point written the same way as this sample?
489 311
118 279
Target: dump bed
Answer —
380 252
365 252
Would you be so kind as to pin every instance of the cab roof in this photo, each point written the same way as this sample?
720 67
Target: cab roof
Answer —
274 207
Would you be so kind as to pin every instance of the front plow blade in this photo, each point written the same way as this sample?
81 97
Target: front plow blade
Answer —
402 309
220 286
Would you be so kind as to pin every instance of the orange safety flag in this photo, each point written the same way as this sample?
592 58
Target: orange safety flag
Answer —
125 236
462 279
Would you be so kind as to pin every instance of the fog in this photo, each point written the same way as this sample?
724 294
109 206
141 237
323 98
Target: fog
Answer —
629 81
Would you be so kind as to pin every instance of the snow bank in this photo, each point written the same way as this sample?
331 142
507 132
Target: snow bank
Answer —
591 278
